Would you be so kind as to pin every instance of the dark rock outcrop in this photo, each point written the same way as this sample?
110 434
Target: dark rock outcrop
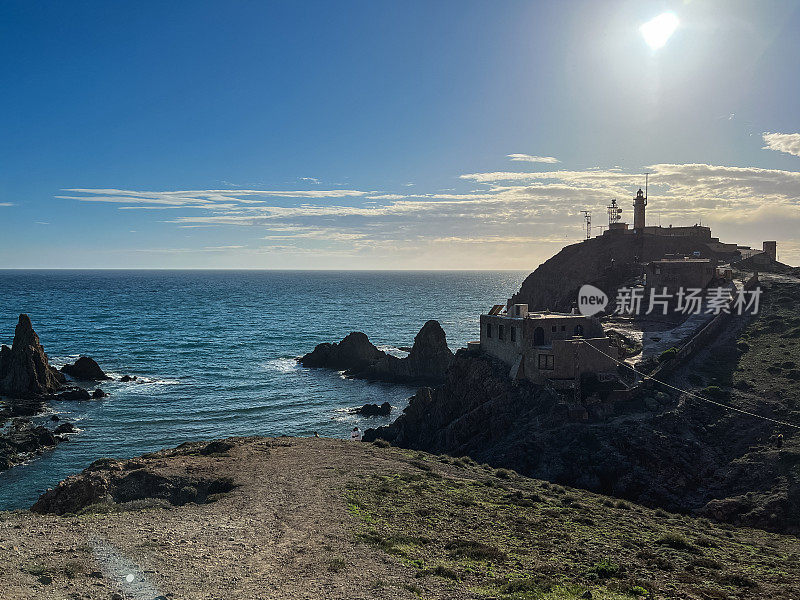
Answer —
353 352
686 457
426 363
65 428
98 393
23 439
24 369
72 393
108 481
127 378
375 410
85 369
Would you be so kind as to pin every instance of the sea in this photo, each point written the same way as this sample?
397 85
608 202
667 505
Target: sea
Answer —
214 352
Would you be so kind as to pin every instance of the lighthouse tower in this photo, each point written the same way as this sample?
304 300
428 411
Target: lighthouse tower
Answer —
638 211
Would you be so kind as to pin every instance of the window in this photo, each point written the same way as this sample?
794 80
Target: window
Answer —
579 330
538 337
488 330
546 362
513 332
501 332
555 328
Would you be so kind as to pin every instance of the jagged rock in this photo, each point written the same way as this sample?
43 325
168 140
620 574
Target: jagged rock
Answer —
127 378
70 394
85 369
354 351
375 410
98 393
65 428
21 439
24 369
427 361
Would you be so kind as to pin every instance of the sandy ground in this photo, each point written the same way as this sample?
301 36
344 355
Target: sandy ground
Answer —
283 533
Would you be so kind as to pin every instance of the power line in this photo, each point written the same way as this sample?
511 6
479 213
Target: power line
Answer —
645 376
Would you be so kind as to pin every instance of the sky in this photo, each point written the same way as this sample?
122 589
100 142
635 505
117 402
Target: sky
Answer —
415 134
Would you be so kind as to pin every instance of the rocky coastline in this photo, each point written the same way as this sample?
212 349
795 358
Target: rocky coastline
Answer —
28 383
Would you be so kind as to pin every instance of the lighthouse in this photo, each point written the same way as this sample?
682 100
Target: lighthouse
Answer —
638 211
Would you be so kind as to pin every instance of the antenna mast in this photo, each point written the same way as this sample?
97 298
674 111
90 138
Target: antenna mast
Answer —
587 216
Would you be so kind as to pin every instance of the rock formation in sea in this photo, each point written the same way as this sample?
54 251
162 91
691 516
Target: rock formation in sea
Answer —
358 357
426 363
85 369
22 439
354 351
374 410
24 368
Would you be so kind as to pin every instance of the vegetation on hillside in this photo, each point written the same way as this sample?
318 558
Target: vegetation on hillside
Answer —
500 535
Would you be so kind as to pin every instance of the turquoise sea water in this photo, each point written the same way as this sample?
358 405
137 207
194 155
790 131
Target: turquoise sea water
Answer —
214 351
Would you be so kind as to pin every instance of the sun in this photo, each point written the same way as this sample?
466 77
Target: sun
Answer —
658 30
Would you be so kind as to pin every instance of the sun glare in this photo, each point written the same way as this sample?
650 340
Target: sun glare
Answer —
658 30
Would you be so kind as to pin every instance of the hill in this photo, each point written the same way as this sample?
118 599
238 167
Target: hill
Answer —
555 283
661 447
310 518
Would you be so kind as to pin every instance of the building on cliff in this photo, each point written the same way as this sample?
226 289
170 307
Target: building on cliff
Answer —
553 347
674 273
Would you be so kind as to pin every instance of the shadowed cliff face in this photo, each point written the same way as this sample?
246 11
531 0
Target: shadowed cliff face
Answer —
555 283
680 456
24 370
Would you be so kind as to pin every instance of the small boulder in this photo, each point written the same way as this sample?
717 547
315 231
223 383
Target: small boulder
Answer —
85 369
65 428
127 378
375 410
72 395
98 393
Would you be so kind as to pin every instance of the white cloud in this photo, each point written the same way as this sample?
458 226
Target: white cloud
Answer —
6 204
533 159
782 142
515 218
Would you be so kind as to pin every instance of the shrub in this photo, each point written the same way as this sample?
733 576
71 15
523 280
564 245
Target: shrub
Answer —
381 443
605 569
674 540
475 550
668 354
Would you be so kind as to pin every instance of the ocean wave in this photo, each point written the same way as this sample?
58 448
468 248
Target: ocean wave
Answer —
281 365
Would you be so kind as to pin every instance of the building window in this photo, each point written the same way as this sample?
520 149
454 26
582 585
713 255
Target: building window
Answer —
488 330
538 337
513 332
578 329
546 362
555 328
501 332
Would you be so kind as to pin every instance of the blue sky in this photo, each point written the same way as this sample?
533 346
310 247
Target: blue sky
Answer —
425 134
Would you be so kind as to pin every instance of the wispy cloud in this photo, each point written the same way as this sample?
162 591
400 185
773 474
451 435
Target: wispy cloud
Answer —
782 142
520 214
6 204
533 159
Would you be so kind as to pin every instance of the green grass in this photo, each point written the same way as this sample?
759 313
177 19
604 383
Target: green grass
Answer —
526 539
